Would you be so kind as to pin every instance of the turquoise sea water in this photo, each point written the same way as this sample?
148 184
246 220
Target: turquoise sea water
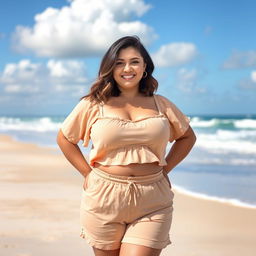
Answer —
221 166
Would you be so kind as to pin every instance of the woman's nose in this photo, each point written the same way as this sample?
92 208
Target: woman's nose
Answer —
127 67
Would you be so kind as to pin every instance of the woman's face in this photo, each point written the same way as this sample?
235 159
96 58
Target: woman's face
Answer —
129 68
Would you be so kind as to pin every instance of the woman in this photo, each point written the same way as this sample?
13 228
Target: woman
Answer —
126 206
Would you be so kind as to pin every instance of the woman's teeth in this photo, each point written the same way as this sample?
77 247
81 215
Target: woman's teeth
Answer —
128 77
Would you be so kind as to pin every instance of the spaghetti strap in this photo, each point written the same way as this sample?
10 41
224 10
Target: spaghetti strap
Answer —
157 104
101 108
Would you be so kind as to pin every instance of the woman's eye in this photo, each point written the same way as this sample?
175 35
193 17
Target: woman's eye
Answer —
135 62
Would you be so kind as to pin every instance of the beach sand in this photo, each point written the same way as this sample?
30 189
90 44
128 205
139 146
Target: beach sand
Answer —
39 211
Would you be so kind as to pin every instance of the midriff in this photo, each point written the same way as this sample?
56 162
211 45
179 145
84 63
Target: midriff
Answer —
134 169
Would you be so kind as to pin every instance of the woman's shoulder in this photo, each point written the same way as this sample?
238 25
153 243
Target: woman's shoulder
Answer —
171 110
161 97
164 100
167 105
87 106
88 102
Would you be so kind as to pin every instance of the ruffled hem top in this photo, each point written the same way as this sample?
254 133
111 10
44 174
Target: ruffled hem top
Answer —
117 141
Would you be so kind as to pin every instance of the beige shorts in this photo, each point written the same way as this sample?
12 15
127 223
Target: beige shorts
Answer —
125 209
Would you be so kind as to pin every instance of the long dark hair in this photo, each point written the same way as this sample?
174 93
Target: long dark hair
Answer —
105 86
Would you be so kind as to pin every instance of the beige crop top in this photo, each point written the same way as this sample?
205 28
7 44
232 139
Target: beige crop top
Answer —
117 141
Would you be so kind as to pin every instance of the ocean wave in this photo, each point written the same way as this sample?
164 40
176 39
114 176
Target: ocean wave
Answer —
231 201
42 124
245 123
228 141
222 123
197 122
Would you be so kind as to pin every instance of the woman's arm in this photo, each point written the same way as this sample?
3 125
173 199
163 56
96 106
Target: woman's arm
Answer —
73 154
180 149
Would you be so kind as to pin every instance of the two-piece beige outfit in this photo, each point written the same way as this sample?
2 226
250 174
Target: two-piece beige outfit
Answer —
114 208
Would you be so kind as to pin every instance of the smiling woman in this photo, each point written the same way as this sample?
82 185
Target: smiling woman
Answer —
126 188
123 58
129 68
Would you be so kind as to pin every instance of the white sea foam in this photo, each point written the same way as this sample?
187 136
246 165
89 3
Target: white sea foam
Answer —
42 124
245 123
240 134
232 201
243 142
198 122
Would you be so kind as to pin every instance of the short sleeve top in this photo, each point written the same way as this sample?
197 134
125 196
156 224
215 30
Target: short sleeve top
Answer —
117 141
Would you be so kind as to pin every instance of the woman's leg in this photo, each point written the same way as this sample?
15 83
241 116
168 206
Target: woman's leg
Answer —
138 250
99 252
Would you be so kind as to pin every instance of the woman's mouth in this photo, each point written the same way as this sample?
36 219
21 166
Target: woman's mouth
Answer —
128 77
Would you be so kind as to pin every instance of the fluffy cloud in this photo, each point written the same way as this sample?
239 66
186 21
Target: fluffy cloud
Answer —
21 77
240 60
246 84
174 54
27 78
83 28
187 80
67 71
253 76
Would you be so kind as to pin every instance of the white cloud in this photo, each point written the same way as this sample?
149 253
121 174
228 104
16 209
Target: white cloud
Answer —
17 88
67 70
239 59
83 28
246 84
25 78
24 71
253 76
187 81
174 54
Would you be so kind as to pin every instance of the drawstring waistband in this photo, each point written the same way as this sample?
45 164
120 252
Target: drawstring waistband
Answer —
144 179
131 181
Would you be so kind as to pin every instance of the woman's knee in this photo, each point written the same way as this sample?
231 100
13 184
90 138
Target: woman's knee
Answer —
100 252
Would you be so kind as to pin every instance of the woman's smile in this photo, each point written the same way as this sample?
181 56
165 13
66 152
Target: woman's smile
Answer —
128 77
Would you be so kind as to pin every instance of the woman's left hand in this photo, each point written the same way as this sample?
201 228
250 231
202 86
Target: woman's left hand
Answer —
167 178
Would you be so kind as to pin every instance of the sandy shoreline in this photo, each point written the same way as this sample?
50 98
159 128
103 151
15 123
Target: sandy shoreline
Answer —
40 198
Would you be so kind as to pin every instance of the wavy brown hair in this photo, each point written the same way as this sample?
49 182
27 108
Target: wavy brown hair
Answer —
105 86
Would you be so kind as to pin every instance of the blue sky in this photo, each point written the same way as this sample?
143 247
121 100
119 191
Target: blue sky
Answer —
204 51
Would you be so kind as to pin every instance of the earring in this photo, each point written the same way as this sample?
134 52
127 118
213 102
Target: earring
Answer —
145 74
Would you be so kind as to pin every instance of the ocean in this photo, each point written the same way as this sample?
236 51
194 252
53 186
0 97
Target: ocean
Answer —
221 166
